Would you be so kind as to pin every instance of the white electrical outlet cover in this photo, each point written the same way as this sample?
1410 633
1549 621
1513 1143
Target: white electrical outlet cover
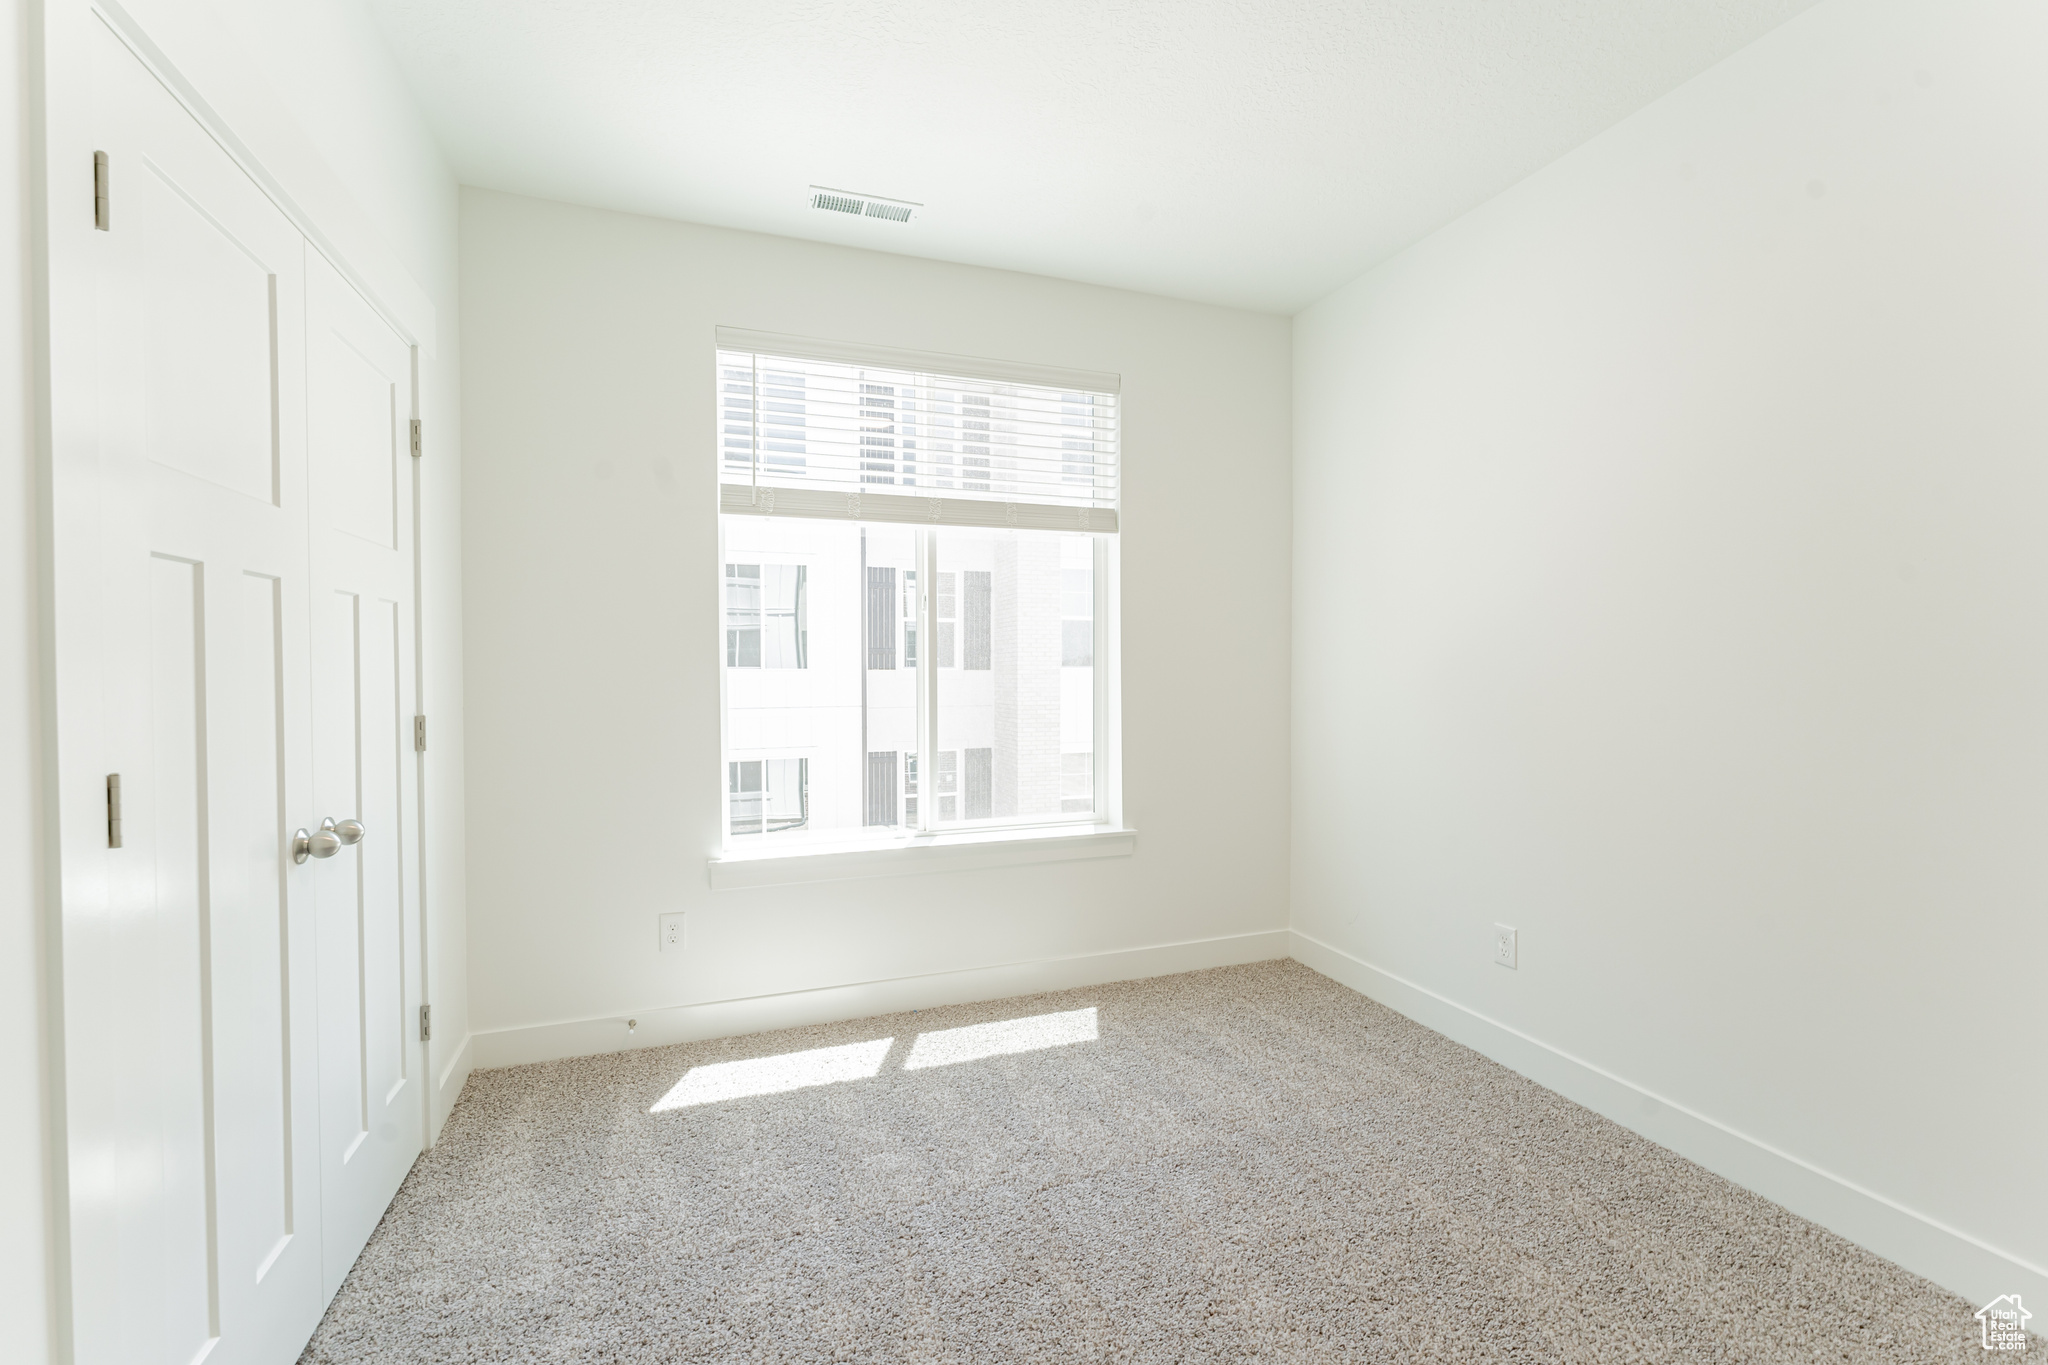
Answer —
1504 946
673 935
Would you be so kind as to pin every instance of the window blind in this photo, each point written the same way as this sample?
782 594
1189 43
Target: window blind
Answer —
865 434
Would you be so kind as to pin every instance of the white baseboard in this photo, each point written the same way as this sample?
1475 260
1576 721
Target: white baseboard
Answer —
1948 1256
448 1085
857 1000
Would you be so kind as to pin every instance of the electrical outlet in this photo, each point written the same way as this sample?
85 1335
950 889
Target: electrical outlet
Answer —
672 936
1504 946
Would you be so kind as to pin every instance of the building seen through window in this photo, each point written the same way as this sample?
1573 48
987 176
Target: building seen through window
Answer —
823 669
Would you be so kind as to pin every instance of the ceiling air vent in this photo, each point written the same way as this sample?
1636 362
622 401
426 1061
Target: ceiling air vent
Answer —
862 205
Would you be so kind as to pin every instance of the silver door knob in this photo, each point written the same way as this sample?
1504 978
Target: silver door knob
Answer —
325 844
333 836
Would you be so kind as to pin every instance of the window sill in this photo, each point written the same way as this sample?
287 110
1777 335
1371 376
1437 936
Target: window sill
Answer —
931 853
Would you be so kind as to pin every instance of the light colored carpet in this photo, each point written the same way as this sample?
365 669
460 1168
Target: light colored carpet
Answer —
1252 1163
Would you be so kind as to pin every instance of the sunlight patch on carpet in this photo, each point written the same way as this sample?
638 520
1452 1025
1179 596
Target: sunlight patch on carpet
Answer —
774 1075
947 1047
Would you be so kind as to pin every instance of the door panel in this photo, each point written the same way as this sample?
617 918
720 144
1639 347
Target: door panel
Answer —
363 952
254 991
359 400
362 411
211 357
173 979
191 1103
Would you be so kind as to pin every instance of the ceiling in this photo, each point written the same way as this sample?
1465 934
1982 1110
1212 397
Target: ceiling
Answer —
1251 154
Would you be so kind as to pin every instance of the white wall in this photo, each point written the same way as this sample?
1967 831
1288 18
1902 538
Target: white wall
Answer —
1671 551
591 576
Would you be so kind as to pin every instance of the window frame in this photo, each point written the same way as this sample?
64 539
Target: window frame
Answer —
866 850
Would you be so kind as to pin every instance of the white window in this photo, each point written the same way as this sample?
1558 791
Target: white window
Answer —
910 618
764 616
1077 781
1077 618
768 794
945 600
916 554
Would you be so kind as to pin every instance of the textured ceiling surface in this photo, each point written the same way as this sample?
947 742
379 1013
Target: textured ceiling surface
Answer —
1252 154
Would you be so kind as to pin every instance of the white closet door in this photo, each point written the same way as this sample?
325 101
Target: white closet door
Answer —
192 1110
372 1063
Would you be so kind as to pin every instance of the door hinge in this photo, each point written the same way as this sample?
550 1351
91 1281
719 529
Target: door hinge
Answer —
426 1023
415 438
419 734
113 810
102 207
